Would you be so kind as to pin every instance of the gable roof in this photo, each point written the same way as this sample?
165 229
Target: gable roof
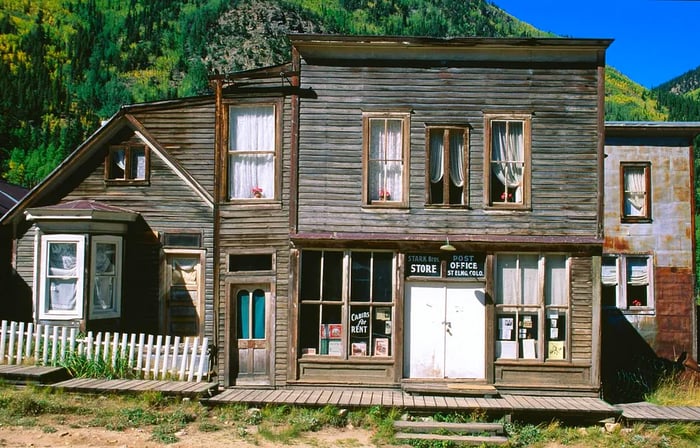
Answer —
10 195
119 121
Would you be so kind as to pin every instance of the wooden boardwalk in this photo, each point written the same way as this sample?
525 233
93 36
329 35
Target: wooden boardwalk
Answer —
515 405
652 413
191 389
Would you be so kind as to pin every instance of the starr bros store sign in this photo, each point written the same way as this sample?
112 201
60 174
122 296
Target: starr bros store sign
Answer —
457 265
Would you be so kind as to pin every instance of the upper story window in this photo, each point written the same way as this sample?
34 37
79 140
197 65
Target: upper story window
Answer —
252 151
636 191
447 165
507 161
127 163
386 142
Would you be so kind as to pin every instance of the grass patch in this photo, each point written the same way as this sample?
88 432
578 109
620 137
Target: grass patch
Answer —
677 390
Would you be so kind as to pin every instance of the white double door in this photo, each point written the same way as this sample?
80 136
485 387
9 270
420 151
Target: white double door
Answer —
445 331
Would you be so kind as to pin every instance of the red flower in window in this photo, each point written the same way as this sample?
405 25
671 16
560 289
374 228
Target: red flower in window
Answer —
636 302
503 196
384 195
257 192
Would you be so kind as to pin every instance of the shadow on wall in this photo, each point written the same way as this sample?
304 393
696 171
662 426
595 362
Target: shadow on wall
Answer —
630 367
15 299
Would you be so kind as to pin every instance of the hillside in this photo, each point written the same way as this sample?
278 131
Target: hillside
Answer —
65 65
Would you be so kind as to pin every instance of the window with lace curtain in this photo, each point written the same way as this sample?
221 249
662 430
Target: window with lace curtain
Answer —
636 191
507 177
252 151
627 282
386 137
447 155
127 163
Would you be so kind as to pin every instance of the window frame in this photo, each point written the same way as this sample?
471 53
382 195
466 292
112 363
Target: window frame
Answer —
646 217
541 310
526 120
115 310
621 301
277 105
43 302
347 303
367 199
446 180
127 179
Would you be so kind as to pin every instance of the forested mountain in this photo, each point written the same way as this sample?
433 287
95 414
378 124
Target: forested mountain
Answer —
65 65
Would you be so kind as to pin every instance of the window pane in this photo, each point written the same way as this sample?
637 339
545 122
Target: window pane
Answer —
332 276
385 159
104 275
252 176
635 191
259 314
62 259
310 275
382 278
309 319
117 163
507 161
359 330
243 302
637 271
556 335
555 280
62 294
138 163
360 276
507 291
609 271
252 128
529 277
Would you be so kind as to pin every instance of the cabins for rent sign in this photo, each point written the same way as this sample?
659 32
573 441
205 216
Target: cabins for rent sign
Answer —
457 265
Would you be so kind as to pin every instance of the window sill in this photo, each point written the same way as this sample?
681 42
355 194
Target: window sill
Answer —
532 362
127 182
256 203
629 220
507 208
329 359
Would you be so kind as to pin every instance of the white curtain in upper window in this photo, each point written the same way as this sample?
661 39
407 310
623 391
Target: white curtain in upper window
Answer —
436 156
456 158
386 158
508 153
251 151
609 271
635 189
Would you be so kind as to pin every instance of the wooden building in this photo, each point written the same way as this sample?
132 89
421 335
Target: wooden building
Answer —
424 214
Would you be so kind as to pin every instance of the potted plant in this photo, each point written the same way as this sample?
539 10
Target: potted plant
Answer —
257 192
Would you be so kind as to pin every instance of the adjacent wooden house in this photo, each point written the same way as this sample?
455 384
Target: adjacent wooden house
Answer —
425 214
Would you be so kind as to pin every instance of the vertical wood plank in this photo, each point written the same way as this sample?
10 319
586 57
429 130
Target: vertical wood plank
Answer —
64 337
3 341
183 363
88 345
20 343
202 358
156 361
166 358
45 354
149 353
37 343
176 354
139 354
193 359
11 348
29 339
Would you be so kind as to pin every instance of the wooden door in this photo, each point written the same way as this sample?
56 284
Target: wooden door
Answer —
445 331
253 333
183 294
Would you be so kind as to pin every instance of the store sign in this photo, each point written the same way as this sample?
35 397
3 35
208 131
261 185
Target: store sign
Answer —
466 265
423 265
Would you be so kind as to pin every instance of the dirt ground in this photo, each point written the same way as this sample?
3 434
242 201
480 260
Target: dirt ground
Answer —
79 437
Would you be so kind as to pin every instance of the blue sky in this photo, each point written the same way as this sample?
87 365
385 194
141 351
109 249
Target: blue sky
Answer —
655 40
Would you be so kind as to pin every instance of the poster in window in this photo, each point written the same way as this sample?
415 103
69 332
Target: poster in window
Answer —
555 350
335 347
335 331
529 349
359 349
381 347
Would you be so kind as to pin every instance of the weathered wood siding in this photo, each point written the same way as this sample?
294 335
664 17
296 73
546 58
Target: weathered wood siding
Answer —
563 103
166 204
247 228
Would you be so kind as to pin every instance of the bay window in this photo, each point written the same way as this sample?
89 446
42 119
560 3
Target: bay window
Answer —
447 165
386 142
252 151
346 303
532 306
507 168
64 280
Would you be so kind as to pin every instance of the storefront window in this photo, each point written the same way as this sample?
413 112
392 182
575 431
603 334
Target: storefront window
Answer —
346 303
531 320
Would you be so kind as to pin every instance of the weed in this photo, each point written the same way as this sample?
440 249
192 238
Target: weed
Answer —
48 429
677 390
209 427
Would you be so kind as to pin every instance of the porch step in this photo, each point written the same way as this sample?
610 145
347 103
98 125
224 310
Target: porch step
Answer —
454 389
463 433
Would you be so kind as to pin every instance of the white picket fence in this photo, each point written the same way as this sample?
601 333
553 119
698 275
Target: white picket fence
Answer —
150 357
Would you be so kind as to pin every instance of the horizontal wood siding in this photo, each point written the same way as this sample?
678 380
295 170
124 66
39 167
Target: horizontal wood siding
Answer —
563 103
187 133
582 336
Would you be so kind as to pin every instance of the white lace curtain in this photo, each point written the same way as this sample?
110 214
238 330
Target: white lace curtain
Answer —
63 274
517 280
508 155
437 154
555 280
105 275
635 191
251 151
386 159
